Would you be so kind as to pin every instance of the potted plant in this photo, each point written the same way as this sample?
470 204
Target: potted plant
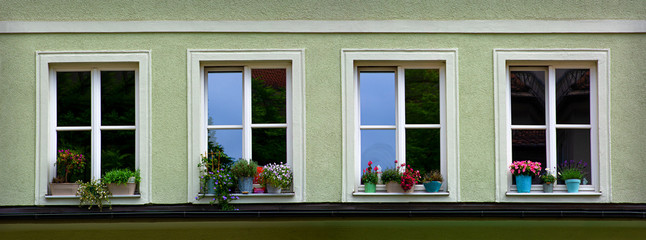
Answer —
244 171
209 164
548 181
122 181
69 165
276 177
216 180
391 178
524 171
572 172
93 193
409 178
433 181
370 179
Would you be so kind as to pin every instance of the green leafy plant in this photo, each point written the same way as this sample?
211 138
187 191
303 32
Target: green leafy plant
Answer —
572 170
243 168
220 173
93 193
277 175
370 175
68 163
121 176
391 175
548 177
433 175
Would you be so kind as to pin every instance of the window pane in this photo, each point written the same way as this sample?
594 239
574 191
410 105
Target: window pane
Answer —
117 98
379 147
228 141
573 96
377 96
422 96
117 150
268 92
79 142
528 97
269 145
529 145
574 144
73 98
225 98
423 149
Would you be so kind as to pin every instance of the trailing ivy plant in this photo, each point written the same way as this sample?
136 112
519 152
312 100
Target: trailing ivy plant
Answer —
93 193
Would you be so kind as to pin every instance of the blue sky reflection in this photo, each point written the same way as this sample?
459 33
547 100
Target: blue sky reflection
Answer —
377 93
225 98
378 146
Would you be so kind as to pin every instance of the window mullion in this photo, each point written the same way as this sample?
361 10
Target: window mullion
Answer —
551 118
246 115
401 115
96 123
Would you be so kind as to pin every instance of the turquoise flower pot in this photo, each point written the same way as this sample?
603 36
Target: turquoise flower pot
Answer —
572 185
370 188
433 186
523 183
210 186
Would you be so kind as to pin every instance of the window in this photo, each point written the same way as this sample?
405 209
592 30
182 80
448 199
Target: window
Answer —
249 105
550 113
400 105
94 104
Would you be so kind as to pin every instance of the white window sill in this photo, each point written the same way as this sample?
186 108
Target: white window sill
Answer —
555 194
76 197
414 194
243 195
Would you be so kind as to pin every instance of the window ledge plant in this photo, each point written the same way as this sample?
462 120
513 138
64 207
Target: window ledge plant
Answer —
370 178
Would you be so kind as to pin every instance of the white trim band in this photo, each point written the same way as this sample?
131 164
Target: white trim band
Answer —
313 26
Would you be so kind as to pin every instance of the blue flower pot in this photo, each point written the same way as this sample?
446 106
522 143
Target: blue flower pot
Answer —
245 184
572 185
210 186
523 183
432 186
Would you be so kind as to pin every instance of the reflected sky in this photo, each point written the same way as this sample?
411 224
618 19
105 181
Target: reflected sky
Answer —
230 139
378 146
377 93
225 98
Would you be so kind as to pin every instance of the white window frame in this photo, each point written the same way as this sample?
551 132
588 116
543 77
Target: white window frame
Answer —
443 59
200 61
597 60
48 63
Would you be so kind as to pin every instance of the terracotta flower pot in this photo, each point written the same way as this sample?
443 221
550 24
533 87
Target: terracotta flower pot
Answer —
121 189
63 189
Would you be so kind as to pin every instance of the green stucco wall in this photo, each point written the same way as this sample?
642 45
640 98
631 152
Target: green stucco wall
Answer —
323 103
323 114
79 10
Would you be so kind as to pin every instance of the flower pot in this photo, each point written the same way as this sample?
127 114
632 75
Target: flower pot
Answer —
370 188
245 184
523 183
433 186
63 189
272 189
393 187
122 189
210 186
548 188
572 185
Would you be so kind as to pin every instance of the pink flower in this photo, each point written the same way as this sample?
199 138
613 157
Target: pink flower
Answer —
369 163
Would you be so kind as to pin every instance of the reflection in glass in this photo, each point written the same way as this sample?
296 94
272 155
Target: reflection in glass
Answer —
422 96
73 98
423 149
269 145
529 145
378 146
572 96
225 98
80 142
574 144
117 150
268 95
377 96
228 141
117 98
528 97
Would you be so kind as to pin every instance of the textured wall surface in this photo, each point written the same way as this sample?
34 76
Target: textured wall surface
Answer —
77 10
323 103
